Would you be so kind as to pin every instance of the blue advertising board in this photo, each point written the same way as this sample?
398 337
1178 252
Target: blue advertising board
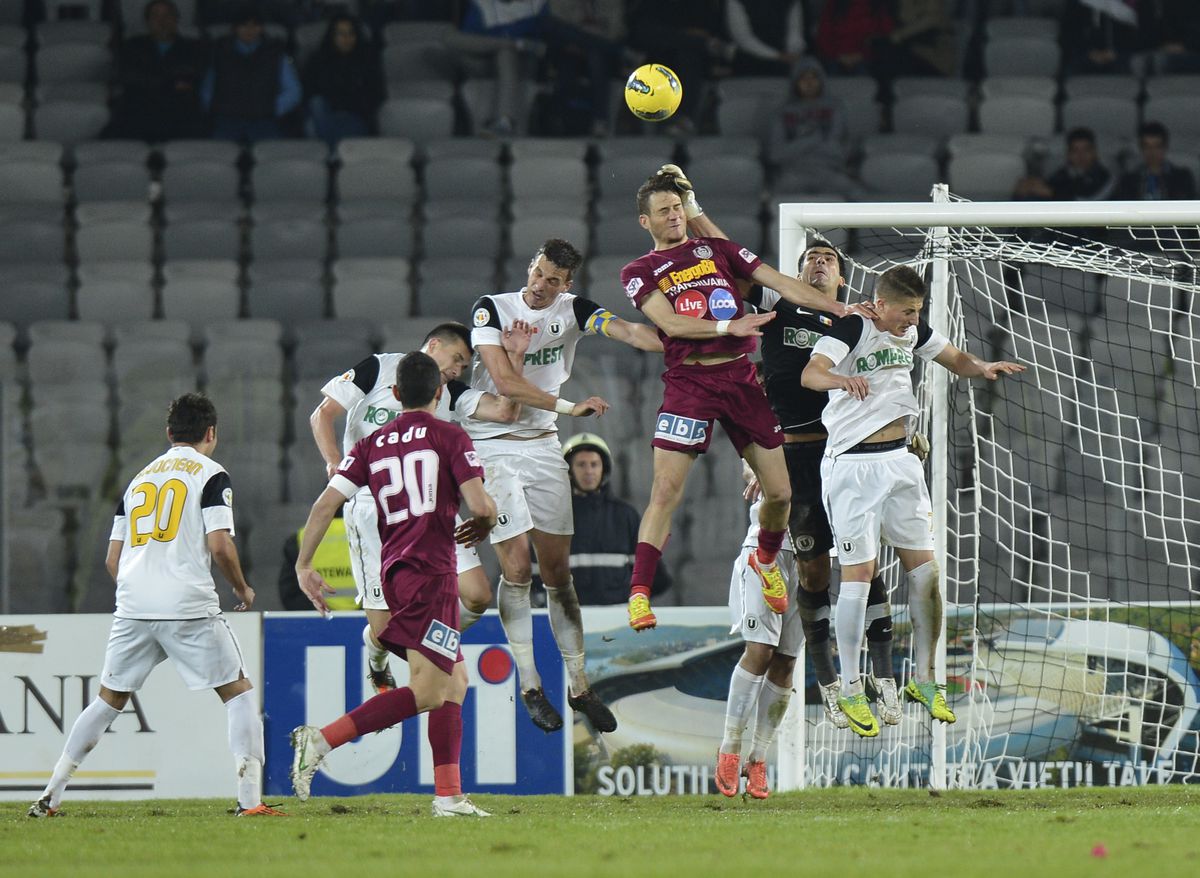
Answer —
315 669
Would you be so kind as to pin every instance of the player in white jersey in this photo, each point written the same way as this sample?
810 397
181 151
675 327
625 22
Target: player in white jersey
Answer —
526 472
174 518
872 487
363 395
761 684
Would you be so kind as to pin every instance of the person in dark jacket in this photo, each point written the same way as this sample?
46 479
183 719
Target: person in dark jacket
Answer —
251 84
1155 179
158 81
343 83
606 527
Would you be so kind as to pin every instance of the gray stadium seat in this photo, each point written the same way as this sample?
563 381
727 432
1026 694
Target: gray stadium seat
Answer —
619 236
12 120
932 115
200 300
113 301
201 239
289 239
1171 85
200 180
364 267
527 235
29 301
320 359
463 177
379 168
372 298
450 297
111 181
290 179
251 411
227 358
376 236
30 182
1017 114
478 270
1177 112
68 62
286 299
1022 56
985 176
419 119
479 98
911 176
31 241
565 179
1102 85
115 239
69 122
727 175
216 269
185 151
907 86
1106 115
446 238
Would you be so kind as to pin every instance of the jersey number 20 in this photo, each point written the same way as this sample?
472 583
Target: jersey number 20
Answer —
163 505
416 474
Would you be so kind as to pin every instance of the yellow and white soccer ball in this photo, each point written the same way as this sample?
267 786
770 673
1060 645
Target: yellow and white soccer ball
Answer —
653 92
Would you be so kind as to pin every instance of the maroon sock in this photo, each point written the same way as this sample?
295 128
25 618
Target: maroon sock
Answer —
645 565
769 542
445 738
384 711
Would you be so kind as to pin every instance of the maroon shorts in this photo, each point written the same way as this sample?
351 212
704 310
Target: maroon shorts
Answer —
696 396
424 615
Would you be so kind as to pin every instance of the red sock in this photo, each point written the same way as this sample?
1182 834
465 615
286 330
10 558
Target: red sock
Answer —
445 740
382 712
340 731
769 543
645 565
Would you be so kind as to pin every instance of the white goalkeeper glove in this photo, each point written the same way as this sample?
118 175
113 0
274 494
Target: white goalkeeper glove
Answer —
919 446
691 207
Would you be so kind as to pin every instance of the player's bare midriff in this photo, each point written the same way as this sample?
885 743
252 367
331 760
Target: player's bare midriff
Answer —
710 359
805 437
895 430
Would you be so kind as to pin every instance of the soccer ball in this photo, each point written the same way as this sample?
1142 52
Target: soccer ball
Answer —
653 92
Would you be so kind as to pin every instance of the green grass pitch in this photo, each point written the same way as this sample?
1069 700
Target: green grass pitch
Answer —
868 832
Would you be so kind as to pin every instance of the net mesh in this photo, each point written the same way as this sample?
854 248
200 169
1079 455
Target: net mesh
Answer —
1073 519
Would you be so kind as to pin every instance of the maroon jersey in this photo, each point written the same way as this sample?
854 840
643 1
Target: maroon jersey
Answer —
413 466
697 277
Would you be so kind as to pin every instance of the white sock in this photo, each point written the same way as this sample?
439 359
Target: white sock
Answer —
768 714
377 656
850 622
85 734
246 742
743 693
925 608
466 616
516 617
567 625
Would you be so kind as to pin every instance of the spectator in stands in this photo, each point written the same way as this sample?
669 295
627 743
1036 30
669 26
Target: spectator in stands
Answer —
158 80
1155 179
769 35
923 43
846 34
806 141
1170 31
606 527
681 34
252 84
343 83
1081 178
502 31
584 42
1098 37
332 561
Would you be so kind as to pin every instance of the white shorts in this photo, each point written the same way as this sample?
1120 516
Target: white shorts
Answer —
528 480
204 651
362 537
748 611
874 497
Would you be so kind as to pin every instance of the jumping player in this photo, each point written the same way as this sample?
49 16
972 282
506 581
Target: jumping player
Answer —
173 520
418 468
872 486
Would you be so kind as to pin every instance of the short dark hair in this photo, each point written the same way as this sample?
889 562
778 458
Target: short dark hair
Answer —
657 183
900 282
1154 129
418 379
562 253
450 331
189 417
1081 133
169 3
818 241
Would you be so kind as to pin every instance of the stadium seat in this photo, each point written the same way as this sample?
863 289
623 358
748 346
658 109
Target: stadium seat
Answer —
451 297
287 299
72 31
187 151
201 239
117 238
290 179
745 102
69 122
932 115
1171 85
908 86
136 332
409 335
1108 117
446 237
374 169
477 270
1102 85
1177 112
1022 56
68 62
366 267
200 300
139 360
406 61
618 178
619 236
251 411
907 175
1017 114
463 177
12 64
289 239
320 359
111 181
114 301
985 176
30 182
29 301
565 179
1044 87
372 298
479 99
376 236
256 472
528 234
200 180
216 269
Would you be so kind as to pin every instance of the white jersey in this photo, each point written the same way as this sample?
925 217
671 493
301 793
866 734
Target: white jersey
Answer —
859 349
164 518
557 329
365 392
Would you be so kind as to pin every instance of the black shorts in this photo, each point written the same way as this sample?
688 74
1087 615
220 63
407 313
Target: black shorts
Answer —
807 523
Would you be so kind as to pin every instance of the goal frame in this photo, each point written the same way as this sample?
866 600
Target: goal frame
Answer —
939 215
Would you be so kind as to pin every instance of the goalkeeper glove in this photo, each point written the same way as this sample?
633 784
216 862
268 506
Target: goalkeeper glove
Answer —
919 446
691 207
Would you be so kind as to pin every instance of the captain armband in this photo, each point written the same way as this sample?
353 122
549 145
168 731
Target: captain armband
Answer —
599 321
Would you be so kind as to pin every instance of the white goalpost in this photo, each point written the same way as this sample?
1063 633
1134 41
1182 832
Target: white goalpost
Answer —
1066 500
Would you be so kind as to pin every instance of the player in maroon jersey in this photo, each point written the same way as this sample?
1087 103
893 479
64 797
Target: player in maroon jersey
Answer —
418 469
689 288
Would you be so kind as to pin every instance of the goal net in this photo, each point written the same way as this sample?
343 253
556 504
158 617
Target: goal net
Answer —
1067 499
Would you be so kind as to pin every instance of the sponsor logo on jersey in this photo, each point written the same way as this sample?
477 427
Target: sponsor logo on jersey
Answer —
442 639
886 358
751 623
378 415
554 328
635 284
702 252
227 497
663 267
680 430
701 269
795 337
502 519
482 316
472 458
746 255
691 304
545 356
722 304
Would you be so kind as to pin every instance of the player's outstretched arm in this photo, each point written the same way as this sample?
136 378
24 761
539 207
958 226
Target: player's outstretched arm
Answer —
817 375
483 514
970 366
321 422
496 409
637 335
319 517
658 309
521 391
225 554
798 292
